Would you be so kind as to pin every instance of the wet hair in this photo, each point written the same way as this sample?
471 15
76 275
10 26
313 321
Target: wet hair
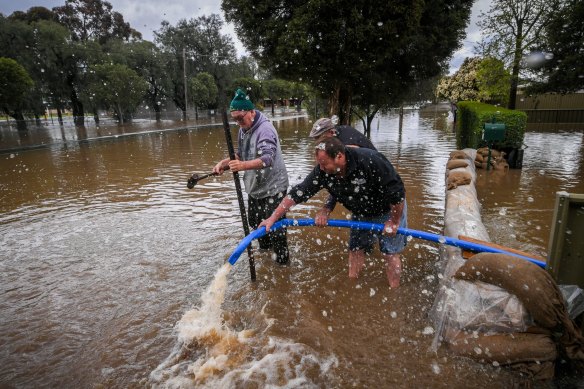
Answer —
331 146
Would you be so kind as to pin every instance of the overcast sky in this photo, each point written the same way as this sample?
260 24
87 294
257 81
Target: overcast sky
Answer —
146 16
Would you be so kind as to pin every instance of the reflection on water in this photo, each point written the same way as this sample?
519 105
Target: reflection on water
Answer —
106 259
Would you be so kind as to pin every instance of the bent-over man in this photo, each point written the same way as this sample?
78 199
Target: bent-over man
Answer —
366 183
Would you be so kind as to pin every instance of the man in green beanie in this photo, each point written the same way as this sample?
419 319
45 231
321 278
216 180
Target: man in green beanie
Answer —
265 177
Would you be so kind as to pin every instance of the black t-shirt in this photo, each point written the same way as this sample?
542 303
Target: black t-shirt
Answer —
370 186
351 137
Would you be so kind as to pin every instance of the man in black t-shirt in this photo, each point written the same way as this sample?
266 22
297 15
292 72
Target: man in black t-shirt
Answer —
325 128
366 183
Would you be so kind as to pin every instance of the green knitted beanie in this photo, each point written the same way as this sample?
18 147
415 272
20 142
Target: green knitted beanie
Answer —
241 102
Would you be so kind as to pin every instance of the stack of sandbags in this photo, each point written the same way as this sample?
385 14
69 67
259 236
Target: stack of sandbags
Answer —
535 350
456 171
498 161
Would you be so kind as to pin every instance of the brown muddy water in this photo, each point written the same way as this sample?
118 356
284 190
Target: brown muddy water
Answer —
112 272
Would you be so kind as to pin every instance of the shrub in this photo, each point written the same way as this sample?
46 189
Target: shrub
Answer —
473 115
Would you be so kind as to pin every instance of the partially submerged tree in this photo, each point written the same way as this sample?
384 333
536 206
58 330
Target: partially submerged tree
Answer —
194 46
15 83
91 22
204 92
116 87
511 28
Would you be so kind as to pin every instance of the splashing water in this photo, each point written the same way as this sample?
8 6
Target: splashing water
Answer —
205 346
211 355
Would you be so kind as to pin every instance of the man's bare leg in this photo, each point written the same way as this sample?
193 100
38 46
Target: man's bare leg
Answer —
356 262
393 269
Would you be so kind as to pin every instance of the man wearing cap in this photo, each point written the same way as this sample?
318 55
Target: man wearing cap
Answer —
324 128
366 183
265 177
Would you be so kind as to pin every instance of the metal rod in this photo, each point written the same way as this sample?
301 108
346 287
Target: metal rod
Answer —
239 196
376 227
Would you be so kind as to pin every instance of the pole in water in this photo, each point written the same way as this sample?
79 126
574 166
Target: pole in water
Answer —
239 195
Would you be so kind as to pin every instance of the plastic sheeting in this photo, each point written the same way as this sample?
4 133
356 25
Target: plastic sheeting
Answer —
474 307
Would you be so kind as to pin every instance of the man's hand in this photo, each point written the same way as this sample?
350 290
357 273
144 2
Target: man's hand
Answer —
322 217
268 223
390 228
219 168
236 165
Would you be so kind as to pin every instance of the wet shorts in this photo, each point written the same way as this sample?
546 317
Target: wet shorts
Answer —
364 239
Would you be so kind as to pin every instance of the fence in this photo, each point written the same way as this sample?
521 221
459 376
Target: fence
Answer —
561 112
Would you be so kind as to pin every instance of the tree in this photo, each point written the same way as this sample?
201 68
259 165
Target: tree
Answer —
91 22
149 62
94 20
462 85
203 91
493 81
299 92
275 90
562 70
346 48
510 29
117 87
194 46
15 83
34 14
477 79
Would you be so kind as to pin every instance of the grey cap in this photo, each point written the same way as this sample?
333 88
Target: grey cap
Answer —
321 126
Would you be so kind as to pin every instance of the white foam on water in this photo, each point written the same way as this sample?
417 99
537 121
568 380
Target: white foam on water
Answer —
208 354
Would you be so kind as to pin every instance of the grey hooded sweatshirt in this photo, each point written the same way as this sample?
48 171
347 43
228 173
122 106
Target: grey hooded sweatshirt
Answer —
261 141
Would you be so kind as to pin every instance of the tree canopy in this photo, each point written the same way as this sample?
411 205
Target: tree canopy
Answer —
477 79
563 43
14 85
369 50
511 28
94 20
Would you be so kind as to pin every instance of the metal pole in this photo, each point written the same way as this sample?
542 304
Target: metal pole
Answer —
239 195
185 82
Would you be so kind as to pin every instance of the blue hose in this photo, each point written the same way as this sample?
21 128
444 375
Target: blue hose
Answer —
374 227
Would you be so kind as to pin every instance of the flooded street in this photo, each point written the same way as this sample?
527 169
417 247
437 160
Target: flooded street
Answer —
109 264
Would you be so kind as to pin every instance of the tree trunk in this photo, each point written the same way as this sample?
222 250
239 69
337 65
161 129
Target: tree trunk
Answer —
78 114
19 118
273 113
120 113
340 104
60 115
515 70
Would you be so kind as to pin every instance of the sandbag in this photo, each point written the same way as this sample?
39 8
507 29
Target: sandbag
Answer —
458 154
456 163
532 285
536 289
456 178
504 348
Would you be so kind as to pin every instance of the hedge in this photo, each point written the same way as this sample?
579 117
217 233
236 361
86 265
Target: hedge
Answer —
472 116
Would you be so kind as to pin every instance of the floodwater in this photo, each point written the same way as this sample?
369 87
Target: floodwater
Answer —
112 272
